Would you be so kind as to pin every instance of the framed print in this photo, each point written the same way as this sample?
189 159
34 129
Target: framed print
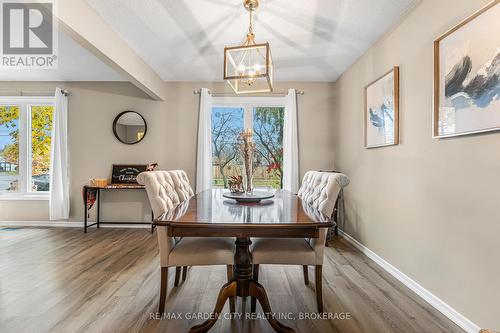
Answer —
467 75
381 112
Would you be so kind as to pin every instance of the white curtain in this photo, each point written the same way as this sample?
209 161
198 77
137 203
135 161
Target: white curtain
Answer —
204 154
290 144
59 161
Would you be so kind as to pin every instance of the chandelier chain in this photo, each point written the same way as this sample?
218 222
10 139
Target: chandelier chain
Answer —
250 25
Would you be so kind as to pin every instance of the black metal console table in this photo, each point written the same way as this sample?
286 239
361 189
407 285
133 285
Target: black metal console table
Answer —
97 190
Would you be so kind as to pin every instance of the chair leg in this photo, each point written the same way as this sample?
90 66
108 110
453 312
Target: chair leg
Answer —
306 275
319 287
232 306
177 275
184 272
253 300
163 288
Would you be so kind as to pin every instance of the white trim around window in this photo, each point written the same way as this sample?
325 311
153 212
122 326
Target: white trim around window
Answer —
24 125
244 101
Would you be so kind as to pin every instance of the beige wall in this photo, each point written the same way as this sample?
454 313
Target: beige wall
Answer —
170 141
429 207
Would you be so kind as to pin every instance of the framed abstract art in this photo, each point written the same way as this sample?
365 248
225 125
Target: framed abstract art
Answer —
467 75
381 112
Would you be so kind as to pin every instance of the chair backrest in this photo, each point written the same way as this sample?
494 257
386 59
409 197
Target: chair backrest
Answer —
165 189
181 184
321 189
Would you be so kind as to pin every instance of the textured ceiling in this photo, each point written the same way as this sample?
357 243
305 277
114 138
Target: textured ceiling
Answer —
183 40
311 40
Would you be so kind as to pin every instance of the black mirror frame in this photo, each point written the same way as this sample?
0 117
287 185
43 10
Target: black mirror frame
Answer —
116 120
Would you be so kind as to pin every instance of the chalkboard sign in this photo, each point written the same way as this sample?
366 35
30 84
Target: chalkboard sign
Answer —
127 174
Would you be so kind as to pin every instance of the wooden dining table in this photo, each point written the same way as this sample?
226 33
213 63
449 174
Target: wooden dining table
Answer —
209 214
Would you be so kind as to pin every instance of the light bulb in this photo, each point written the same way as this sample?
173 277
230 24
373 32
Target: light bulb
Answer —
257 67
241 68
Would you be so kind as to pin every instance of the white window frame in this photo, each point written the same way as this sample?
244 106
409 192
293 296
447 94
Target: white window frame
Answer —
248 104
25 103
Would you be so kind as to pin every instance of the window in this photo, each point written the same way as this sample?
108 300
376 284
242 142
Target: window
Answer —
25 139
9 148
264 116
227 123
268 138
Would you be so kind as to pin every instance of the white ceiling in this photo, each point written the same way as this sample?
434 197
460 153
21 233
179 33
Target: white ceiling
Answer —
75 63
311 40
183 40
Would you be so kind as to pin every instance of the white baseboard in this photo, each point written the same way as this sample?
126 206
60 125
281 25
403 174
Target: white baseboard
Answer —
430 298
41 224
66 224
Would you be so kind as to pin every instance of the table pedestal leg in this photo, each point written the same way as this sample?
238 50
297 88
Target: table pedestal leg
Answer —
258 291
242 285
227 290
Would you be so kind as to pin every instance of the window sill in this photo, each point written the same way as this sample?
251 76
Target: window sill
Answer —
24 197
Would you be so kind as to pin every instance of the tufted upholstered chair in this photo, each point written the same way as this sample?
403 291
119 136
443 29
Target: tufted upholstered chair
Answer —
319 190
167 190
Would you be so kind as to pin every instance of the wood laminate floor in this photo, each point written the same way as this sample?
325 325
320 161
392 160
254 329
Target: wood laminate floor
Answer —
61 280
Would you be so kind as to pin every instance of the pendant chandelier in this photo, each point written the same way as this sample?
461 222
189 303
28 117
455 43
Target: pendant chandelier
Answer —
248 68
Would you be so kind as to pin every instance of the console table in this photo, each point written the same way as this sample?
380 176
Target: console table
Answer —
89 190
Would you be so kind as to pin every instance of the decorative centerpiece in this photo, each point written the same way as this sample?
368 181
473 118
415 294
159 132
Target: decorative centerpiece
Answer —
236 184
247 147
249 196
254 197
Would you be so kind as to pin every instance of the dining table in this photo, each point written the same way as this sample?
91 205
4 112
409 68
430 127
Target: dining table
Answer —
210 214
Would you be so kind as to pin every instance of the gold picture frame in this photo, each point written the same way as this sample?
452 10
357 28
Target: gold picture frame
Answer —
371 124
443 128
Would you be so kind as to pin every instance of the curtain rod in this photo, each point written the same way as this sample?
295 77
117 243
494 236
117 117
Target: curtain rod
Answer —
197 92
33 93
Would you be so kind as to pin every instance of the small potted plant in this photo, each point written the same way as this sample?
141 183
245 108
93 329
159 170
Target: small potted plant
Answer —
236 184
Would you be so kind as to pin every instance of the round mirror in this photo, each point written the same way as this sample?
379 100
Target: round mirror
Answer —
129 127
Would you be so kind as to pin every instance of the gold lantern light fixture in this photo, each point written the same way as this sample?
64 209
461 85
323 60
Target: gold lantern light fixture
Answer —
248 68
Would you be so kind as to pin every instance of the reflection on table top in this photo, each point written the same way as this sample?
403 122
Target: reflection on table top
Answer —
211 208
